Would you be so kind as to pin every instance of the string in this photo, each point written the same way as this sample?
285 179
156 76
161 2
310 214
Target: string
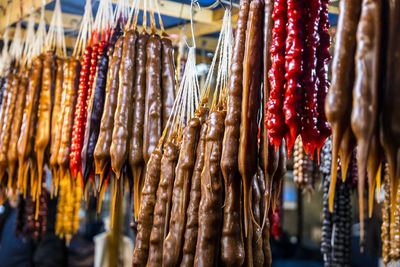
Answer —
185 102
152 19
29 35
85 30
159 19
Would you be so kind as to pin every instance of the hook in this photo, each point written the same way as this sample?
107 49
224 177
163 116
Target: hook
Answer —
222 4
192 24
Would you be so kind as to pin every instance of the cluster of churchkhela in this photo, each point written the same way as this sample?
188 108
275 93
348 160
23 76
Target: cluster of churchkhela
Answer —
205 164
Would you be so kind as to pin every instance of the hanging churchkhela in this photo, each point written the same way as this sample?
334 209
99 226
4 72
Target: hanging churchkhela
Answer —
232 247
70 192
164 196
211 201
183 199
365 54
10 93
55 46
84 84
298 74
26 157
338 100
96 93
102 149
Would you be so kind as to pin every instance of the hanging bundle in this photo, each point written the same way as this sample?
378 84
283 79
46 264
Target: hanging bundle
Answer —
26 157
10 92
101 155
54 46
4 57
12 153
70 190
165 196
82 46
97 90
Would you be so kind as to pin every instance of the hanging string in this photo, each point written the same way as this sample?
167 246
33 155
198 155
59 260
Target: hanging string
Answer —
163 33
55 37
29 36
40 33
145 16
223 52
103 21
85 30
152 19
16 47
186 101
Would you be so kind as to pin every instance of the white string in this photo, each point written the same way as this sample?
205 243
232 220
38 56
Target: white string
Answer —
121 12
85 29
104 17
223 52
159 17
40 33
187 99
29 36
55 36
5 57
16 47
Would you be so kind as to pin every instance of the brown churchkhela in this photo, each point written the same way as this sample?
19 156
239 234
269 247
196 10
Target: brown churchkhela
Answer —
8 112
168 79
365 93
211 201
192 213
44 114
12 154
29 118
390 115
268 156
153 105
248 146
56 139
68 115
120 138
56 113
102 151
232 247
258 253
162 206
136 160
374 165
172 249
145 217
339 97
